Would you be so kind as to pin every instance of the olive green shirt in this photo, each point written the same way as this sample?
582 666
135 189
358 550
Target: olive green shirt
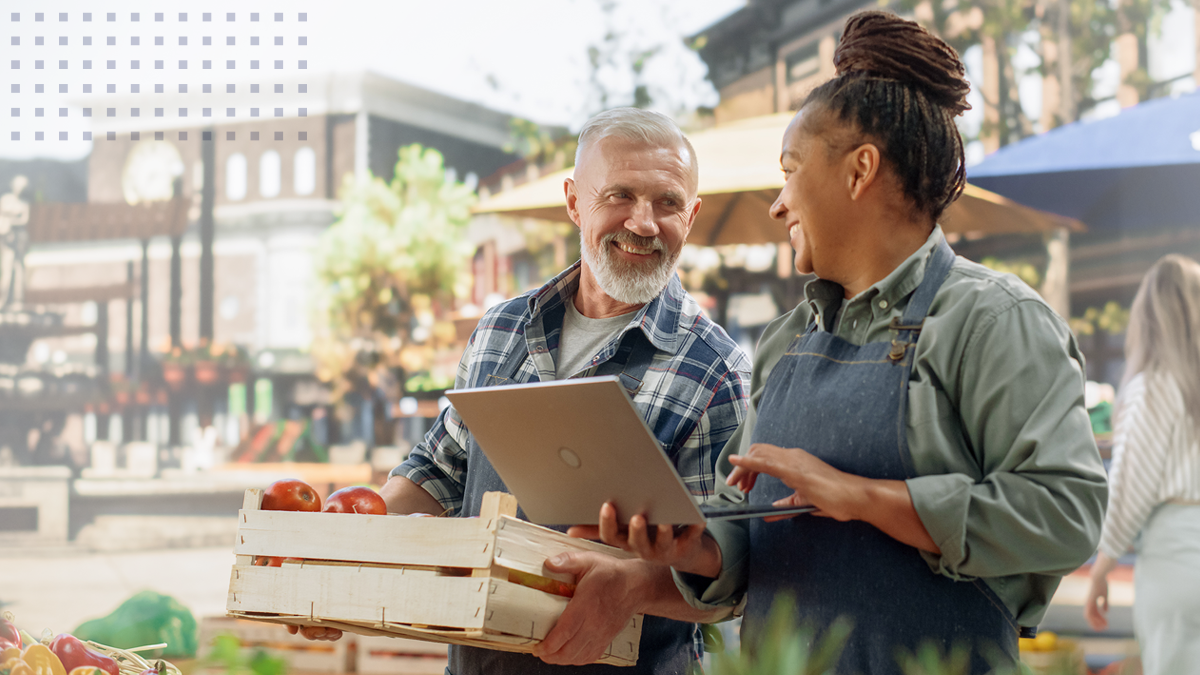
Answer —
1009 482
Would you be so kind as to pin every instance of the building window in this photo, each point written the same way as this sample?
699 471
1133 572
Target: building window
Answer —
268 174
235 177
804 63
304 171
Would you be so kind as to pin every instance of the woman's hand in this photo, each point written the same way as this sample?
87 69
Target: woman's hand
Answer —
836 494
687 549
1095 607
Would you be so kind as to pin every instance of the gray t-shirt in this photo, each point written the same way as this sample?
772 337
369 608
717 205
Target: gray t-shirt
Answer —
582 338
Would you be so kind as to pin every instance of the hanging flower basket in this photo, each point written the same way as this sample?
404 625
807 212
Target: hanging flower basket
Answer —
207 372
174 374
143 396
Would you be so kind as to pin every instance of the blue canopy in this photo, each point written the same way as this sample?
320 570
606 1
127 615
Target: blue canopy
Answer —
1138 170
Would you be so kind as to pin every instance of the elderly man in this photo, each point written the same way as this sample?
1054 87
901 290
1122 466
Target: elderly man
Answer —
621 309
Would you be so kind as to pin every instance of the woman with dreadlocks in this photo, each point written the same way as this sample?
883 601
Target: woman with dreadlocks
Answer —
930 409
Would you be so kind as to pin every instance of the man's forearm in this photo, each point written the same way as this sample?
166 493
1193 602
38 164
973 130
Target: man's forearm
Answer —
403 496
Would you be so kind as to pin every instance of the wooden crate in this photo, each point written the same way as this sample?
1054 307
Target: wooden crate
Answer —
300 654
399 656
433 579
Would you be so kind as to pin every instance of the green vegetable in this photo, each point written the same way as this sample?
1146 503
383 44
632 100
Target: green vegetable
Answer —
145 619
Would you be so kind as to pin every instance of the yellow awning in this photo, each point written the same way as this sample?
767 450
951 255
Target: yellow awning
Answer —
740 178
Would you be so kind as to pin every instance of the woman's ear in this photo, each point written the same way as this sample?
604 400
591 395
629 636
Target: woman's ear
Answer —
862 169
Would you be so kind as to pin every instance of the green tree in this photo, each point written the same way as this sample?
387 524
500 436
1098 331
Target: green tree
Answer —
1081 30
389 268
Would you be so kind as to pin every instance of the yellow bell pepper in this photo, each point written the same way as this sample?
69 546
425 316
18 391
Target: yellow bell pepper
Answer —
11 652
16 666
43 661
86 670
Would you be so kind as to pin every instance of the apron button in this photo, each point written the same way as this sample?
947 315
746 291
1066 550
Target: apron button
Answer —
883 304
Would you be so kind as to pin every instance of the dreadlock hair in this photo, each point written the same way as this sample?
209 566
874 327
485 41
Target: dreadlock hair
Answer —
902 87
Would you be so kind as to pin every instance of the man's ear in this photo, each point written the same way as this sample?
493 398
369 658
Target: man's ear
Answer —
693 212
862 166
572 200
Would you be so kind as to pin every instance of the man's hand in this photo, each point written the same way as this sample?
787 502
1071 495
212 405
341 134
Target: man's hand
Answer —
687 550
316 632
607 595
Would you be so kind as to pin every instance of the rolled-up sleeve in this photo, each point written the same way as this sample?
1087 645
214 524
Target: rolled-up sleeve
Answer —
732 538
439 462
1027 492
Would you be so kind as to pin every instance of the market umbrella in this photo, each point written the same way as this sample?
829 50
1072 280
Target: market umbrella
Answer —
740 178
1138 170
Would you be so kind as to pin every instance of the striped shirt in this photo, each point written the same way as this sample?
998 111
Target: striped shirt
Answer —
693 396
1155 458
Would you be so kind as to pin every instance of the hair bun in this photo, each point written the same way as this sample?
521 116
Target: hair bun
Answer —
883 44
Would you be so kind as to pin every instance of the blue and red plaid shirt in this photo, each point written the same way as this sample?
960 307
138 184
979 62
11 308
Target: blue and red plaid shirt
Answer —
692 398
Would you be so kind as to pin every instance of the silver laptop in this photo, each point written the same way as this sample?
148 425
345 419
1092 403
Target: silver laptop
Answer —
566 447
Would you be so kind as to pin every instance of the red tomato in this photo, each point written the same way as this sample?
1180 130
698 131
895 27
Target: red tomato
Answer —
264 561
356 500
9 635
291 495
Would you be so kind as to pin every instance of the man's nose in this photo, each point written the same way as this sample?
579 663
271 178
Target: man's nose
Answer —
778 211
641 220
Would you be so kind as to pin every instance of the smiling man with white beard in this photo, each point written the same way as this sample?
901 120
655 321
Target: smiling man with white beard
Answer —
619 310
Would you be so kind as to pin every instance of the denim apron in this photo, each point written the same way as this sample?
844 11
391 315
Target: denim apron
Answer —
667 646
847 405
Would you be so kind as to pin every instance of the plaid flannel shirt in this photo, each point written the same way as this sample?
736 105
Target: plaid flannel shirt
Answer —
693 396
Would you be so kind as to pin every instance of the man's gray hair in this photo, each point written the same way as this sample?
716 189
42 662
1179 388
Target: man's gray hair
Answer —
642 126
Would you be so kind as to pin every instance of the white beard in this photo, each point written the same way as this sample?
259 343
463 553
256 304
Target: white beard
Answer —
632 284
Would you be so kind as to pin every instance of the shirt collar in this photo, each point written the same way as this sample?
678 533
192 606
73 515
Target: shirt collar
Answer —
658 319
823 295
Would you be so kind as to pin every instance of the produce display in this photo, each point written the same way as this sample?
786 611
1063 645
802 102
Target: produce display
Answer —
65 654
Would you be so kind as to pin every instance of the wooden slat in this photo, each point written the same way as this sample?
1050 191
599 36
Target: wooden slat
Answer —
523 546
398 540
516 610
368 594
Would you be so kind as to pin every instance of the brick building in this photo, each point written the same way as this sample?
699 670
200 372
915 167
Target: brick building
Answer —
276 173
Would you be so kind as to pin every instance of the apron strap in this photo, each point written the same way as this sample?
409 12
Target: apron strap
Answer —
908 326
631 361
940 262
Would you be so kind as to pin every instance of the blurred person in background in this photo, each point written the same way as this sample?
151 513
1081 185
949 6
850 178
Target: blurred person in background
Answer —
1155 477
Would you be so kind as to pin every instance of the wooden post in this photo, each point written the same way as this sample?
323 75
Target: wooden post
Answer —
127 413
143 421
1056 286
174 398
102 362
207 227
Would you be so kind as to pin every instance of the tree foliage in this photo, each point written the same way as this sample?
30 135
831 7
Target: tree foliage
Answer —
1084 30
389 267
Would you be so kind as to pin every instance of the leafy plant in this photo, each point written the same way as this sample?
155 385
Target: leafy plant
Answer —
389 269
228 656
785 649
